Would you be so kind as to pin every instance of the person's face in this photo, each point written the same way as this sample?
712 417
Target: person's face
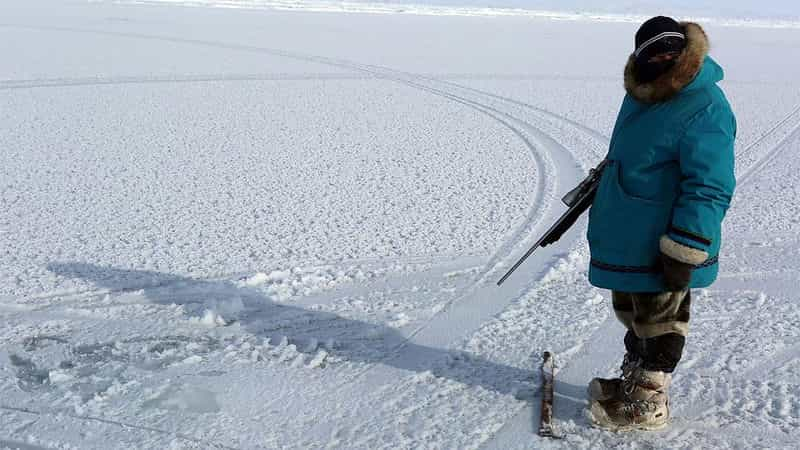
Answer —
662 57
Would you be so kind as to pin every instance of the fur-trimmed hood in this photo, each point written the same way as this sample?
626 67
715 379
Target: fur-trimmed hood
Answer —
686 68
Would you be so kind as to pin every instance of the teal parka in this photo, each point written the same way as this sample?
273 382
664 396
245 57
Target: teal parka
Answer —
670 176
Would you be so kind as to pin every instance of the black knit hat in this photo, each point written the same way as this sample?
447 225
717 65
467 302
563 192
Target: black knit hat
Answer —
659 35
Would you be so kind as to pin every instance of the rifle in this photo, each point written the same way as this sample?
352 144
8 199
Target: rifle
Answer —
577 200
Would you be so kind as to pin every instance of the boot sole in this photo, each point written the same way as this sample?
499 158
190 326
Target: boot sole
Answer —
605 424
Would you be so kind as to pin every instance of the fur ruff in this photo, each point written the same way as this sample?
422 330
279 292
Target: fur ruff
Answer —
686 68
682 253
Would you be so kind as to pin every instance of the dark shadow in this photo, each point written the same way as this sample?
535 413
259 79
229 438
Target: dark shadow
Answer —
350 340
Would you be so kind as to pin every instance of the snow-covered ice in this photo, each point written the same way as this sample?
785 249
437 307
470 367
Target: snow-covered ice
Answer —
260 228
739 13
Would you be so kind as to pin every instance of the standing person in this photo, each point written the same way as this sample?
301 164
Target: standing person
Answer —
655 224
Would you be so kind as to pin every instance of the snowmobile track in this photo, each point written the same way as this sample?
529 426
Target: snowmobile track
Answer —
181 436
188 78
594 134
377 71
533 138
383 73
773 153
767 134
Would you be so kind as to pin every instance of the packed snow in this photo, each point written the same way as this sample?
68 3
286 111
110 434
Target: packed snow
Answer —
258 228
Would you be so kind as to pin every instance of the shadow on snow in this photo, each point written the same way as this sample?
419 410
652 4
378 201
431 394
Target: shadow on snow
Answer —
352 340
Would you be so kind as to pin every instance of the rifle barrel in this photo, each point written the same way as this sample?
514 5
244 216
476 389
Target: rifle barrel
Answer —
522 260
580 199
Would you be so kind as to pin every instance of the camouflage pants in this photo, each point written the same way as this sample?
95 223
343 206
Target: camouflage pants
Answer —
657 324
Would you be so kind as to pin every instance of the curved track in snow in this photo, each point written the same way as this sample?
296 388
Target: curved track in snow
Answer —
532 137
456 373
480 301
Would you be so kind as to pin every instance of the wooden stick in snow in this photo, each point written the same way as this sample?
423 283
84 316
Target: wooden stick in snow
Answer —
548 377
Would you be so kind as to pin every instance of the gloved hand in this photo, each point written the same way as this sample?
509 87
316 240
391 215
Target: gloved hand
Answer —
677 274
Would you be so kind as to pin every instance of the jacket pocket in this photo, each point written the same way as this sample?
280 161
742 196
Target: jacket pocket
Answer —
625 229
661 197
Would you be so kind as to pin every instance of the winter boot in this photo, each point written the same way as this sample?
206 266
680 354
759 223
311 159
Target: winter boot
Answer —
641 403
607 388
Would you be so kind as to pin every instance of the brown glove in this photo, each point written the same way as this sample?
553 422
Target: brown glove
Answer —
677 262
677 274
